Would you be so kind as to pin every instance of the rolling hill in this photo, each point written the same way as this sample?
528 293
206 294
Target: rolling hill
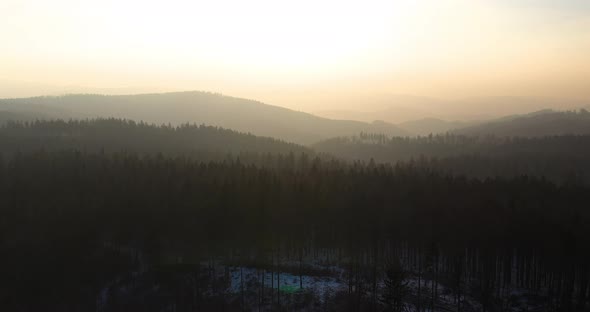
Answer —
536 124
428 126
127 136
201 108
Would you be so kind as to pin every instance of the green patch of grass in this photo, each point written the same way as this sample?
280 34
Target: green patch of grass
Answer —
288 289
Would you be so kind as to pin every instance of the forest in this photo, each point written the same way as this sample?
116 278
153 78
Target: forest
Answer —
560 158
117 215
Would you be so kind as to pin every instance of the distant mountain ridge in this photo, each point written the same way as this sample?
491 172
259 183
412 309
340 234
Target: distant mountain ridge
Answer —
428 126
198 107
403 108
536 124
267 120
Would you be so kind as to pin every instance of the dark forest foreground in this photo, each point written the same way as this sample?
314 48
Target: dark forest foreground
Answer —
82 232
87 229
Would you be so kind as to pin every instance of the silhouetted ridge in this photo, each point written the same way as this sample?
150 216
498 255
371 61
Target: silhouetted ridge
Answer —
199 107
561 158
115 135
536 124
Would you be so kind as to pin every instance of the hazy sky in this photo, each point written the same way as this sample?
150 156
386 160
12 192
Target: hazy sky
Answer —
304 54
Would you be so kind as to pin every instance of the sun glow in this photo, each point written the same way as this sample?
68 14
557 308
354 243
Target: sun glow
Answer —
260 34
281 51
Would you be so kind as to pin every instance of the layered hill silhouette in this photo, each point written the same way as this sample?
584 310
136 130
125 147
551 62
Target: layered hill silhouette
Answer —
428 126
267 120
536 124
546 132
126 136
200 108
558 158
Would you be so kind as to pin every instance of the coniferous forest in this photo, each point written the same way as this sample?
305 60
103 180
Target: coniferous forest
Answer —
117 215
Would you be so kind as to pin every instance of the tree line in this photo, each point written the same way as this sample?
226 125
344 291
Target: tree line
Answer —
114 135
562 159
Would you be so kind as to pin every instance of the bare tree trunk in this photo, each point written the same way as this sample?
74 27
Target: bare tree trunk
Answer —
375 278
419 281
272 279
300 269
278 278
242 285
435 279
